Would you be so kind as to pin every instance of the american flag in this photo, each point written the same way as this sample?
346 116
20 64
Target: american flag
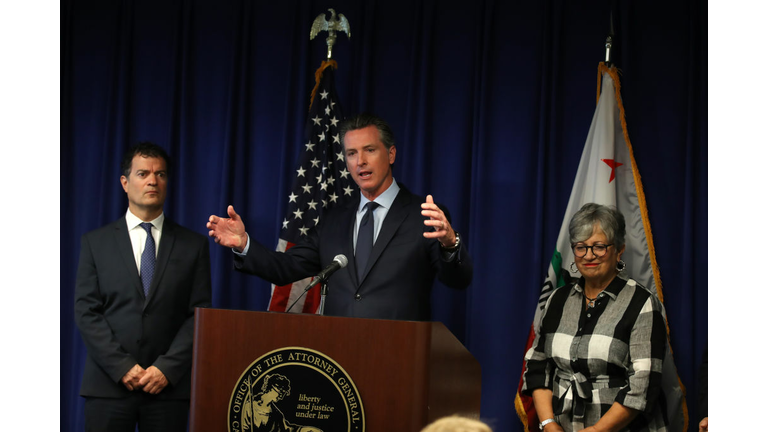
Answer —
320 182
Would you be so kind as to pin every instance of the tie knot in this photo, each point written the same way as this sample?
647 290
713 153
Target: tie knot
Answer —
147 227
371 205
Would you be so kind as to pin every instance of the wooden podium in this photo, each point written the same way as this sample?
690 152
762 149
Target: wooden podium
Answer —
408 373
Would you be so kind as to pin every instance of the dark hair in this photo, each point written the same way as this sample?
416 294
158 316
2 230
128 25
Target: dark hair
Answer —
364 120
147 149
610 220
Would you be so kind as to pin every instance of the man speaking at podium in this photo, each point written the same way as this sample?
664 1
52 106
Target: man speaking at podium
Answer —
394 253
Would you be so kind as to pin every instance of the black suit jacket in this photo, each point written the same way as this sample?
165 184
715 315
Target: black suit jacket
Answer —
120 327
397 282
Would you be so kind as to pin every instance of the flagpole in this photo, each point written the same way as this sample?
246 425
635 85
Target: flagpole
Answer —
609 42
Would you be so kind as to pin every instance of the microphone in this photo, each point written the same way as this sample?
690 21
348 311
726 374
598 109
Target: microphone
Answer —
339 261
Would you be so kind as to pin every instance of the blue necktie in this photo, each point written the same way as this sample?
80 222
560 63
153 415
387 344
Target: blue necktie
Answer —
365 238
147 259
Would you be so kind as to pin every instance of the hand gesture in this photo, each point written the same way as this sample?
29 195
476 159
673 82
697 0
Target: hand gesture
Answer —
228 232
153 380
131 378
443 231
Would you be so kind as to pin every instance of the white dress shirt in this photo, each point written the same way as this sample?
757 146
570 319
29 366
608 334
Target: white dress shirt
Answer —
384 201
139 235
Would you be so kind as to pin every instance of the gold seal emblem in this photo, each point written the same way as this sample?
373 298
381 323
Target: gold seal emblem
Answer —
295 389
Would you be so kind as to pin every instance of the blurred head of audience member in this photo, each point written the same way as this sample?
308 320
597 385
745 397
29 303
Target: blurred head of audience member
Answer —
456 424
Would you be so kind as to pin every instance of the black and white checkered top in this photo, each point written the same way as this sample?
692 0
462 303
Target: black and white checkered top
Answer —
595 356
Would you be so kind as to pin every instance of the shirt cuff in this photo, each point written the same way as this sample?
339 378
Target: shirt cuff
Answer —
245 249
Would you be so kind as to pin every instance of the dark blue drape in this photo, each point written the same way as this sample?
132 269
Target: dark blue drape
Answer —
490 101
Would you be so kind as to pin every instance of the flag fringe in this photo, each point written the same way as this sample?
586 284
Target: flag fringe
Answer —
521 411
319 76
614 73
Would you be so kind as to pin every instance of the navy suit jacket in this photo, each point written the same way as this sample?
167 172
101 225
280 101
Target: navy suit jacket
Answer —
120 327
397 282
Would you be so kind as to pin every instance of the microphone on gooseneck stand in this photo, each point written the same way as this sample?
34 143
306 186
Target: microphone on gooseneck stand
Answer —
339 261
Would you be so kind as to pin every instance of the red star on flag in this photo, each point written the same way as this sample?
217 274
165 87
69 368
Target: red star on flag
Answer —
613 164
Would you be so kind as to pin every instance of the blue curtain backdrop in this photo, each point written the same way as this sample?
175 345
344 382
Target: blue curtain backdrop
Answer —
490 102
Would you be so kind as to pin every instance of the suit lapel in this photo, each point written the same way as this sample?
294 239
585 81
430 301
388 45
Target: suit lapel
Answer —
163 254
395 217
123 240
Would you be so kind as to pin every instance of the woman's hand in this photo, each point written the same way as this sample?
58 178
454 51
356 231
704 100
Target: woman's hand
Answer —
553 427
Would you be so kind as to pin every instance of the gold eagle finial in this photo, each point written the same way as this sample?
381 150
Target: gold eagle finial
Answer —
331 26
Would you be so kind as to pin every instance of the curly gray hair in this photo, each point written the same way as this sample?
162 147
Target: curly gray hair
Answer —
609 219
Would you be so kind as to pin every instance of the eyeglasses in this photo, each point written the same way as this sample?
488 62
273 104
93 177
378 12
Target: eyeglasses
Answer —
598 250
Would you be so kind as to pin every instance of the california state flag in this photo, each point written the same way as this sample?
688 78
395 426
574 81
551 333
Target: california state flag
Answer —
608 175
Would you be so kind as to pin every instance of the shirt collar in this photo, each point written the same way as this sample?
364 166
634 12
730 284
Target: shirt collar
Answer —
133 221
384 200
612 289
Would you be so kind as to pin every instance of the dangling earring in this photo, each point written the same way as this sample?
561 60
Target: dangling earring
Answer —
574 270
620 266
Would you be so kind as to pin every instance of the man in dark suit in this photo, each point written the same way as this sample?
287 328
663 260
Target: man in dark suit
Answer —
138 282
407 252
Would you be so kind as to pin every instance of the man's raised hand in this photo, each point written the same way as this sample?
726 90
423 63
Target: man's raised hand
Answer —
228 232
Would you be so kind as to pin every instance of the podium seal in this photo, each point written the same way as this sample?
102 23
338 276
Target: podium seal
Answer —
295 389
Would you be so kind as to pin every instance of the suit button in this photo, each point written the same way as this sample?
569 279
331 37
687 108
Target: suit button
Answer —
358 297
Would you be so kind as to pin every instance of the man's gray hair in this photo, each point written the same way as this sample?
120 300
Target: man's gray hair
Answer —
609 219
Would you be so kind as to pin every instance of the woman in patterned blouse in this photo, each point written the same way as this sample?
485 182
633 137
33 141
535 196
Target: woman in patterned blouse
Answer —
596 362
